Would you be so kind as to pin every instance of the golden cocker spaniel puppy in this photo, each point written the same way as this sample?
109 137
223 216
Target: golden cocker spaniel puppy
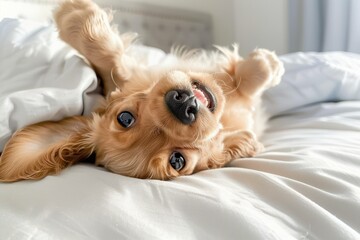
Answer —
158 122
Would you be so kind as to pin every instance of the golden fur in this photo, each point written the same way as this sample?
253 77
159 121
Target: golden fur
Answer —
143 150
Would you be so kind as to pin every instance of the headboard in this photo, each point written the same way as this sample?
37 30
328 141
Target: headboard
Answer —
158 26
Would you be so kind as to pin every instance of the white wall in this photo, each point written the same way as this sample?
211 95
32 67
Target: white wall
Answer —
221 10
261 23
251 23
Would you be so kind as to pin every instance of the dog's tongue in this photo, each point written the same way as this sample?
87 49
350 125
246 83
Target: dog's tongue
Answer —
201 97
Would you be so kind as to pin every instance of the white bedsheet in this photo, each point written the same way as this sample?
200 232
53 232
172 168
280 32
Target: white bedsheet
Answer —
306 185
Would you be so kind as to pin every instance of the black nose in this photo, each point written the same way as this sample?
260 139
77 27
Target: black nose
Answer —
183 104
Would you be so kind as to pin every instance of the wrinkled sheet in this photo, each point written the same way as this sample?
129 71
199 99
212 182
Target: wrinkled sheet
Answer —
305 185
41 78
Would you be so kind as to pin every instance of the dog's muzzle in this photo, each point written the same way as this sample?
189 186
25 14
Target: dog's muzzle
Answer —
183 105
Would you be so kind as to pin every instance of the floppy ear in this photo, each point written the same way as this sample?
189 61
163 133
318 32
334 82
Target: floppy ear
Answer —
45 148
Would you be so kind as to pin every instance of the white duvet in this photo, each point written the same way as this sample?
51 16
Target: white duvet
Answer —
39 77
306 185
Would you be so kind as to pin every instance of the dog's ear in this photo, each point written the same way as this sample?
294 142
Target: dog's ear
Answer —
45 148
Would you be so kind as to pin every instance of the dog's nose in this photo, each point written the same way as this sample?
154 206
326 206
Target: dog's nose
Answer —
183 105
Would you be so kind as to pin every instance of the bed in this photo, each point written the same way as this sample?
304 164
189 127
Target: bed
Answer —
305 185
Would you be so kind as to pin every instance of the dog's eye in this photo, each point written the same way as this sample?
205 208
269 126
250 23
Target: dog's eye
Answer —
126 119
177 161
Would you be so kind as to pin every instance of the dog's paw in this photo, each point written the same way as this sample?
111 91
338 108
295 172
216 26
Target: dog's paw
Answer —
259 71
271 66
80 19
69 6
238 144
242 144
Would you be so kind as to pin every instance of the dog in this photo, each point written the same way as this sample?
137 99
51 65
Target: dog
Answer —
157 122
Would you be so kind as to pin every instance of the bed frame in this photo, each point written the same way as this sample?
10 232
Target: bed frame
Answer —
158 26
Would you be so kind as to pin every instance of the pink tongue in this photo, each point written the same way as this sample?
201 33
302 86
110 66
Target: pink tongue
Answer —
200 96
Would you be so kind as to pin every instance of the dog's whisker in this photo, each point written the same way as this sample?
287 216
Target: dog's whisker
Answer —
112 77
234 89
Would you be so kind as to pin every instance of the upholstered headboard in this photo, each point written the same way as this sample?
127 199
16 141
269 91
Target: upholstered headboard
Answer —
157 26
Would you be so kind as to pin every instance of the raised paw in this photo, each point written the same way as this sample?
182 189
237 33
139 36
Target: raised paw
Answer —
273 65
80 19
68 6
87 28
259 71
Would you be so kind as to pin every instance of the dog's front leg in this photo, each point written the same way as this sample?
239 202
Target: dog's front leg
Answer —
86 27
240 144
260 70
237 144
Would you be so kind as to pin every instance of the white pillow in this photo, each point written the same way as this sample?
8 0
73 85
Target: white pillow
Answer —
315 77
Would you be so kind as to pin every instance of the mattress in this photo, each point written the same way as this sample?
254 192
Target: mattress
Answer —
305 185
